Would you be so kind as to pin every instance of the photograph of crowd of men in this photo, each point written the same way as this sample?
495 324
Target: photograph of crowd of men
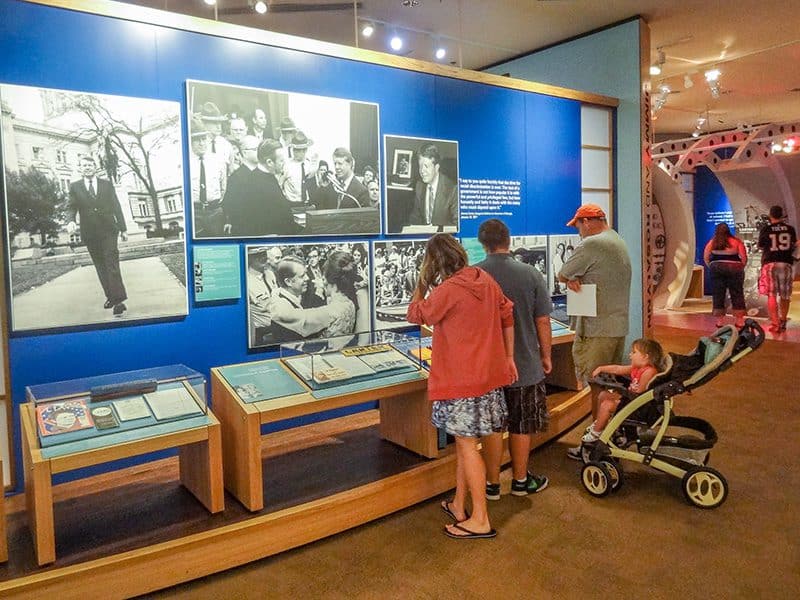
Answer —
421 185
306 291
396 266
268 163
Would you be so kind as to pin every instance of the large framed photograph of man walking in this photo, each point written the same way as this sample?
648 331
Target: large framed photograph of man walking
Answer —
306 291
267 163
93 190
422 186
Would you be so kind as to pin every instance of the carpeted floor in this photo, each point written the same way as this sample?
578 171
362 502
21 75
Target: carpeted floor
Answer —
644 541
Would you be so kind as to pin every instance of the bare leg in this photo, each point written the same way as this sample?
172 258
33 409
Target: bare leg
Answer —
608 406
772 308
474 479
784 308
492 453
519 444
459 502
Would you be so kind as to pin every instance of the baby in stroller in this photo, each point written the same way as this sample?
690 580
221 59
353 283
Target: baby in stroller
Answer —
647 359
646 431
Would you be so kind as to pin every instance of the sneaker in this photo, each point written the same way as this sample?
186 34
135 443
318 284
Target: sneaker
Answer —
493 491
782 326
591 436
532 485
575 453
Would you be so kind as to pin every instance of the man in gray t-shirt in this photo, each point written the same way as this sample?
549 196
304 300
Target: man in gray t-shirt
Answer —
526 398
602 259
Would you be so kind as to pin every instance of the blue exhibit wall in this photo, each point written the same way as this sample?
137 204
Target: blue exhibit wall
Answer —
604 62
502 134
711 206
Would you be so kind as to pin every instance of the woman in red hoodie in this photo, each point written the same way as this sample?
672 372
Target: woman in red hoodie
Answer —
473 358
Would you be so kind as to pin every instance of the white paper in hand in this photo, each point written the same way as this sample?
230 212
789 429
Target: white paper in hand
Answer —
583 303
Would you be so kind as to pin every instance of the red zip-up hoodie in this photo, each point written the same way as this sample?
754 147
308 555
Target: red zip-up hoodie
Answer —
468 312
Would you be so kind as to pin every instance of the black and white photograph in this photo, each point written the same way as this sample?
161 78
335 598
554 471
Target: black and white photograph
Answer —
395 269
422 186
94 208
531 250
560 248
306 291
266 163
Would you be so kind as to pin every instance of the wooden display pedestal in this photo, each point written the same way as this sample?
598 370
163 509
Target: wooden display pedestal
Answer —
405 420
200 451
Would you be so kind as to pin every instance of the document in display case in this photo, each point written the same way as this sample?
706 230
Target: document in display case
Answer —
83 409
336 361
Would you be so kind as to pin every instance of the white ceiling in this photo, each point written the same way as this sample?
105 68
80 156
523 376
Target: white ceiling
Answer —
755 43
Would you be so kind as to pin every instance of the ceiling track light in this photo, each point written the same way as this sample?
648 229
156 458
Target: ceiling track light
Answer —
712 74
260 7
396 43
210 2
367 29
657 67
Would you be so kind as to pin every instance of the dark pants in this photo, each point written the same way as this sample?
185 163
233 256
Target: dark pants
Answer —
105 256
729 277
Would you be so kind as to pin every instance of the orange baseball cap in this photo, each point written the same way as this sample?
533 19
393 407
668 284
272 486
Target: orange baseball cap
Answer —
587 211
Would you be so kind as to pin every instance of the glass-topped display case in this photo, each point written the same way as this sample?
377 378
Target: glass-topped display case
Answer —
351 359
80 409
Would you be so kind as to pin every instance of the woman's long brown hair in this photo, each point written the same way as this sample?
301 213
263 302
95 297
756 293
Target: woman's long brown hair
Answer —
722 233
444 256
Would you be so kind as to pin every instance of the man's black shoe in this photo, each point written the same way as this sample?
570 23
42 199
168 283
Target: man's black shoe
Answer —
108 304
119 309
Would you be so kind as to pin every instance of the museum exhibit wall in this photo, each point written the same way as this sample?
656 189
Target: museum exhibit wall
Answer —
741 195
605 62
525 146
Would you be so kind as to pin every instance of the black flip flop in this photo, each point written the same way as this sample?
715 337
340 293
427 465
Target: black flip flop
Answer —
446 509
469 535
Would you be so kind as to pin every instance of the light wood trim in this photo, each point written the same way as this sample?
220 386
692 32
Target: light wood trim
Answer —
406 421
38 492
241 444
201 469
268 38
155 567
3 536
297 406
77 460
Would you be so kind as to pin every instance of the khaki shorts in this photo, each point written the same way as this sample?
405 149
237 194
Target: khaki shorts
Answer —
591 352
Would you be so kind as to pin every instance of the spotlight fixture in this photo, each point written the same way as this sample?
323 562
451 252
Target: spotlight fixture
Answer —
260 7
440 53
368 29
660 99
657 67
396 43
788 146
687 81
210 2
713 75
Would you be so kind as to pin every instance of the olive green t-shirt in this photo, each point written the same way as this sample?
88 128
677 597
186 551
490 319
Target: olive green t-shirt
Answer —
603 259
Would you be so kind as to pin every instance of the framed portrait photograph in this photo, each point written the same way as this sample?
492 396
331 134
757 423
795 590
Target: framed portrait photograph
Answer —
267 163
94 208
306 291
422 195
401 166
395 269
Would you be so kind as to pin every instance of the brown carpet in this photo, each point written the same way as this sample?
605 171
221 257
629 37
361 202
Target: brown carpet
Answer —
644 541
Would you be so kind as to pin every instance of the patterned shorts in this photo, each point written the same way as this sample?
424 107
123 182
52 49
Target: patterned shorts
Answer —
527 408
471 417
776 280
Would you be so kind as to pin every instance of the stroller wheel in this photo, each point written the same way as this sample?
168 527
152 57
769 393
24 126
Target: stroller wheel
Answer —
704 487
614 472
596 479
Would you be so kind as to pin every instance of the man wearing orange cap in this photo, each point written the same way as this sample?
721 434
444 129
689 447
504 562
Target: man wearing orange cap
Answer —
602 259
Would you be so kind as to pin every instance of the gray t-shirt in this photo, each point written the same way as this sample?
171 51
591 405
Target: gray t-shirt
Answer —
526 288
603 259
